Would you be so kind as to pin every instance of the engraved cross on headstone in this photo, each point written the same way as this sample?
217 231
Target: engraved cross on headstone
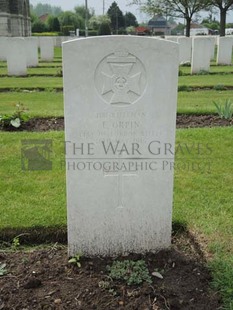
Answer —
120 183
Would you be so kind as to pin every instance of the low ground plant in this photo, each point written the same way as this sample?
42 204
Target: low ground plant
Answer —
131 272
16 119
224 110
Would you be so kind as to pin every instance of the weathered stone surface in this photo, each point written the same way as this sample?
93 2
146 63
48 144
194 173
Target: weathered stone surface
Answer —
120 114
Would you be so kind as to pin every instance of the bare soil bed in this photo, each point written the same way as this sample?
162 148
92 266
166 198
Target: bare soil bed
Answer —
43 279
183 121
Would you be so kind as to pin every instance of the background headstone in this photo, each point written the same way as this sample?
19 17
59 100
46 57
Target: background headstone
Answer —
16 57
224 53
201 54
3 48
120 92
185 49
47 48
32 51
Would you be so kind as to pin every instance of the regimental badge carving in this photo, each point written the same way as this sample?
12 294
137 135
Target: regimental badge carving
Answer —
120 78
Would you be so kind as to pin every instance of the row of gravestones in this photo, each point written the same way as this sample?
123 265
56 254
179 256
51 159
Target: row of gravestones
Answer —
197 50
21 53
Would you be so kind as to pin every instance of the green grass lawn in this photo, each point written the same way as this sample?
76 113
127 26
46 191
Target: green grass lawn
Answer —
39 104
206 80
201 102
48 104
213 69
38 197
36 71
32 82
202 196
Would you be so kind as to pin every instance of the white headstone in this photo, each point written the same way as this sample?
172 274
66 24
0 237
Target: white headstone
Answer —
185 49
46 48
3 48
32 51
16 56
201 54
57 41
213 45
224 53
120 118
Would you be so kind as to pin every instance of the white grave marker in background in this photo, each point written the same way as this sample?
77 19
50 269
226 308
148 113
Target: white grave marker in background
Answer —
16 56
224 53
185 49
120 118
46 48
32 51
201 54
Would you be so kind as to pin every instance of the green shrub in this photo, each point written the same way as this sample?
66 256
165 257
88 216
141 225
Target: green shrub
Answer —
47 34
104 29
184 88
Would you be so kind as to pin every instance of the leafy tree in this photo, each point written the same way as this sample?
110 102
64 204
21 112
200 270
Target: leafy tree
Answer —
39 26
211 23
53 23
224 6
152 7
41 9
116 17
130 20
81 11
71 19
96 21
178 8
104 29
179 29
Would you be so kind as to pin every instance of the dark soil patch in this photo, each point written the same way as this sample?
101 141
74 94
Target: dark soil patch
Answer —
192 121
183 121
42 279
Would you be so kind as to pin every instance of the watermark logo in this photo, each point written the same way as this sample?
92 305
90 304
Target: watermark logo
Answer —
36 155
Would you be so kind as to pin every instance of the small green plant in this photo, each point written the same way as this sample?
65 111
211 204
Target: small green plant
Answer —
75 260
59 72
180 73
184 88
3 269
132 272
203 72
16 119
104 284
225 111
15 243
219 87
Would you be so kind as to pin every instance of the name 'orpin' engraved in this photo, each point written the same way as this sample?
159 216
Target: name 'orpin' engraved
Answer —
121 78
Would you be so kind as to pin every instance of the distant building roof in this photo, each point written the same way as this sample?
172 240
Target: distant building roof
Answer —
197 26
44 17
158 22
141 29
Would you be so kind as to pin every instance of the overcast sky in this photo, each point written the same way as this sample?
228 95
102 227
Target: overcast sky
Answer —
98 7
96 4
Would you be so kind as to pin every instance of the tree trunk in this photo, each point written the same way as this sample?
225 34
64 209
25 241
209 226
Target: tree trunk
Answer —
223 14
188 26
